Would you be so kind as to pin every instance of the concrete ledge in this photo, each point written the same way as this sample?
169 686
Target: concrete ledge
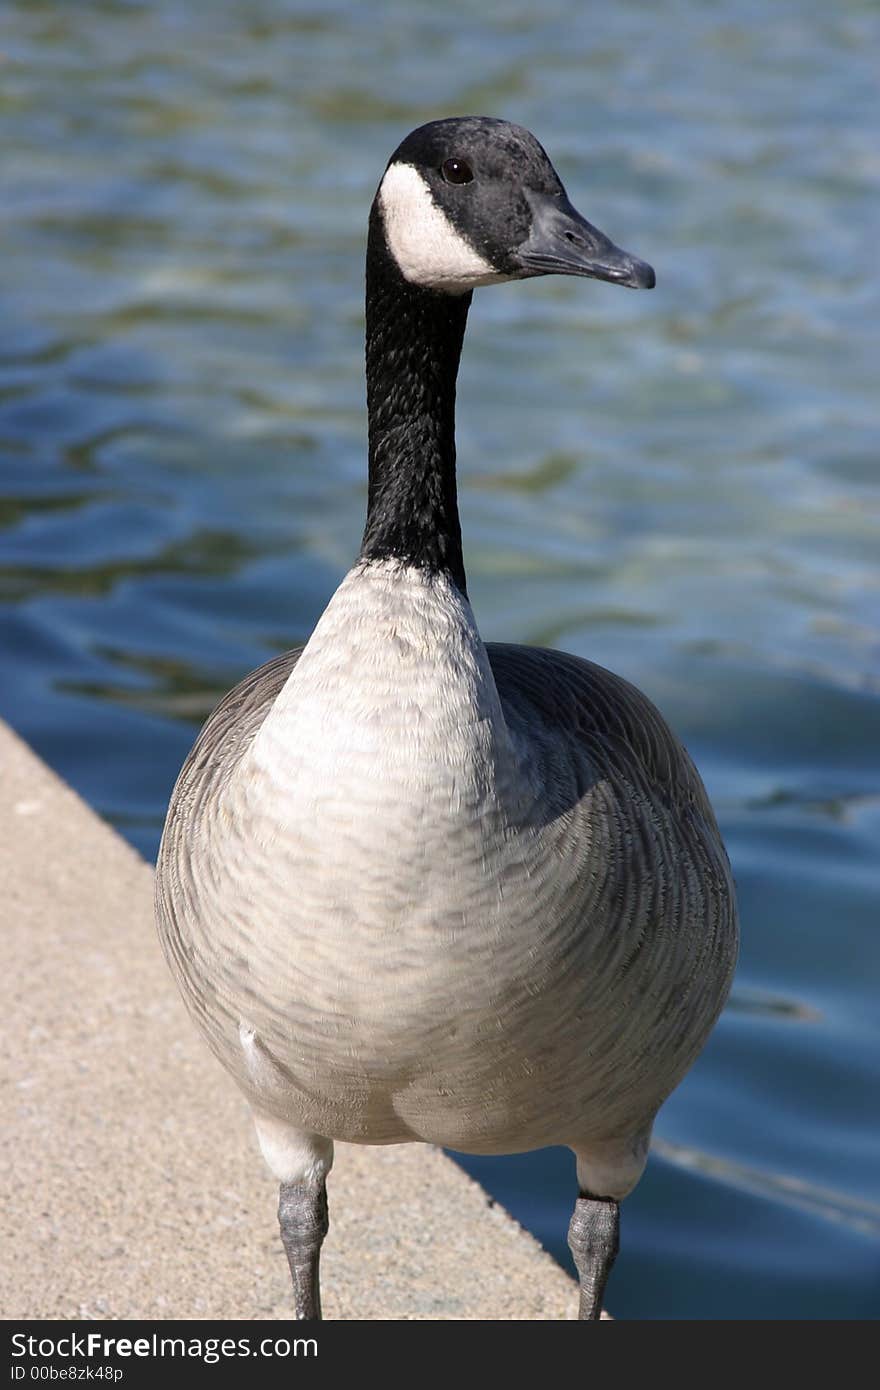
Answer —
132 1185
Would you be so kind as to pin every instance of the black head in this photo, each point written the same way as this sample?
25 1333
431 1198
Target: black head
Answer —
473 201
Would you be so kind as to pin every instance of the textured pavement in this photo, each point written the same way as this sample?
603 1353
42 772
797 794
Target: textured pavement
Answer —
130 1181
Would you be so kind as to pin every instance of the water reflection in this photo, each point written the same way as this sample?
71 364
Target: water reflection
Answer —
861 1215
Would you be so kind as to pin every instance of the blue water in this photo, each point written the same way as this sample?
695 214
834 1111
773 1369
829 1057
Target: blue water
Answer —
682 486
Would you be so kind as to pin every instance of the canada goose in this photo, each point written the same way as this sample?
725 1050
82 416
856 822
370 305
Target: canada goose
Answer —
415 887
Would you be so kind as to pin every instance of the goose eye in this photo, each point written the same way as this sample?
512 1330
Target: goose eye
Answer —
456 171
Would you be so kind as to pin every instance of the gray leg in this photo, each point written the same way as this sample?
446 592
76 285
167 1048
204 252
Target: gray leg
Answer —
302 1215
594 1239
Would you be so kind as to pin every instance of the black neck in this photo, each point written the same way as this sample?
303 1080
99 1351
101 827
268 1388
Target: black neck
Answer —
414 339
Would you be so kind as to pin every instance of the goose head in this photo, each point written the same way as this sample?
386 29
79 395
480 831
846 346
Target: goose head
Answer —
472 200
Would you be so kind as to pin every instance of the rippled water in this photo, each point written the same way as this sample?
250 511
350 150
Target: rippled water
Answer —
682 486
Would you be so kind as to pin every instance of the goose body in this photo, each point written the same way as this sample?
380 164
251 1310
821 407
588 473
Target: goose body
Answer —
417 887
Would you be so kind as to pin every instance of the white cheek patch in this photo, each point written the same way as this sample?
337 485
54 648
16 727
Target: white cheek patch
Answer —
422 240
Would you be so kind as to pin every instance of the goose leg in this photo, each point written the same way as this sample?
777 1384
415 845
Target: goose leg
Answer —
300 1162
594 1239
302 1215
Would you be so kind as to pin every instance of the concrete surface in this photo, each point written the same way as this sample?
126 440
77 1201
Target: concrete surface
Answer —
131 1182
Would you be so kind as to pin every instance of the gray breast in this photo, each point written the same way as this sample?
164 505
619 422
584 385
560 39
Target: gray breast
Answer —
543 969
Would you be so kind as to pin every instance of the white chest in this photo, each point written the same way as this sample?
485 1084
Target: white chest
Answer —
386 758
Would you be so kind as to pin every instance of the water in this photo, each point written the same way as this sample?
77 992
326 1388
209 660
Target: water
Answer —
682 486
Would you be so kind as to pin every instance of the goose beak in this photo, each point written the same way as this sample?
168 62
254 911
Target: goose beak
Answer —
564 243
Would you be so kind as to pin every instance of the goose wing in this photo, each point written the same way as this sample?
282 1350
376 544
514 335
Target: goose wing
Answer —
229 730
604 719
656 893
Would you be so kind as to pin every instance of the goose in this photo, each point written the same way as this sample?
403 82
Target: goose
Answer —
415 887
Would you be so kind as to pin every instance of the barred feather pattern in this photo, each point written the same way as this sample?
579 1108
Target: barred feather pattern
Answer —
463 893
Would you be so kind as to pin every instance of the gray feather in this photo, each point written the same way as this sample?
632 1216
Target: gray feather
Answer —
529 946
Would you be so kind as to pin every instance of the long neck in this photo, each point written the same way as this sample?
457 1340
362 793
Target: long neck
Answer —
414 339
